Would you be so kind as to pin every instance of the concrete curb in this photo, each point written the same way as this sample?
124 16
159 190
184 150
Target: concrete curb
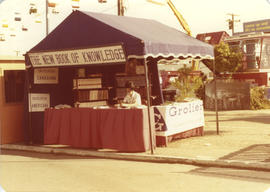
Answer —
259 166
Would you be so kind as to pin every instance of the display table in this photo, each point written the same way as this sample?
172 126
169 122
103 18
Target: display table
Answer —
180 120
119 129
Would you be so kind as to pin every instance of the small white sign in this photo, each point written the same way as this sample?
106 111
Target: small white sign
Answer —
179 117
46 76
95 55
38 102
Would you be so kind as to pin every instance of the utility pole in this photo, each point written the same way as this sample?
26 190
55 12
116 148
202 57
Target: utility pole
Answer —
232 21
120 6
47 20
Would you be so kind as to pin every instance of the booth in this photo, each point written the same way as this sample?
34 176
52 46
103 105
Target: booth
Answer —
76 75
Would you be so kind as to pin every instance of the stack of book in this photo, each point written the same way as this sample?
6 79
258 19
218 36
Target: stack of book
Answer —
87 83
93 104
93 95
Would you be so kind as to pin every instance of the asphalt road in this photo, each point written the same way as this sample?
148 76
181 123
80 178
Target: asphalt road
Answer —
34 172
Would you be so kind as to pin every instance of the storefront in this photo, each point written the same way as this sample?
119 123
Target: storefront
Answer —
82 66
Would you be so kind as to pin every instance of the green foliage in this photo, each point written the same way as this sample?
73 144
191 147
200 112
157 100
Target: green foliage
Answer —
227 59
257 99
188 85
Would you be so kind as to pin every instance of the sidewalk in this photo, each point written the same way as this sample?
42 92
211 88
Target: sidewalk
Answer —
243 142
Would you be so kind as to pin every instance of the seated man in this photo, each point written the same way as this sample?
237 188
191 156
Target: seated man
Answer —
132 98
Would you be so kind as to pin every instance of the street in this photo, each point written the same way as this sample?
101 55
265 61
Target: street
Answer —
35 172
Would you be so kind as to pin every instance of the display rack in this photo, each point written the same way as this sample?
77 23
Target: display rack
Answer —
88 92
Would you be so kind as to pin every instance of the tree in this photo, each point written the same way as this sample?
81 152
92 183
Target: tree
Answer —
227 59
188 84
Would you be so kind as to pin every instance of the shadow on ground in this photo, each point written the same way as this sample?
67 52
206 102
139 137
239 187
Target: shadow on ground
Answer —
256 153
211 132
259 119
253 153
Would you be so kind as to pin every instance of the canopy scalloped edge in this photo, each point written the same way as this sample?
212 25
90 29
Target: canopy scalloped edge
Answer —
170 55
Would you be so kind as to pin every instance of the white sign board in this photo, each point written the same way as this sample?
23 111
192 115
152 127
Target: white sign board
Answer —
38 102
177 118
46 76
96 55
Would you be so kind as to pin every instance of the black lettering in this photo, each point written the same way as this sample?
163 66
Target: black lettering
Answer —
172 111
116 54
48 59
84 57
201 107
97 55
112 55
179 111
66 59
108 54
93 56
62 58
35 60
121 53
75 57
89 57
185 110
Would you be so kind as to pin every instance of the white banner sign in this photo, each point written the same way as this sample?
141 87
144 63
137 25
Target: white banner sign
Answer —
38 102
96 55
173 119
46 76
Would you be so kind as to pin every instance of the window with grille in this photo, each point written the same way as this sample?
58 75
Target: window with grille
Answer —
14 85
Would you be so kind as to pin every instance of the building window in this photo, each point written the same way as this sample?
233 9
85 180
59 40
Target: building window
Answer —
14 85
265 58
252 52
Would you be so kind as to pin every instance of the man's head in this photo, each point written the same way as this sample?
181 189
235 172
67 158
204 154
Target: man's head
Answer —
130 86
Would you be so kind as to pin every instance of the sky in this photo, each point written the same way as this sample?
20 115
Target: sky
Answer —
201 15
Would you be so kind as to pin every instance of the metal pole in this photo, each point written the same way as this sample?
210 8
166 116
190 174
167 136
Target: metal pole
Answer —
215 90
232 24
47 20
120 8
148 105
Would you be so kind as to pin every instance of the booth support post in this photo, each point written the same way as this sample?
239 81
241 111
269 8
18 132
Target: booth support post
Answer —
215 90
29 128
30 110
148 104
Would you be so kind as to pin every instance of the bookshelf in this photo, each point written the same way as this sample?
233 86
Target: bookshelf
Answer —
88 92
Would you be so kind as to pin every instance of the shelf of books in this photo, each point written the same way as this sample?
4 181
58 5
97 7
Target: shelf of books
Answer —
89 92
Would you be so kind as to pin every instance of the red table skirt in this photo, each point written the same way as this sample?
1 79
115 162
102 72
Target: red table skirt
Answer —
119 129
